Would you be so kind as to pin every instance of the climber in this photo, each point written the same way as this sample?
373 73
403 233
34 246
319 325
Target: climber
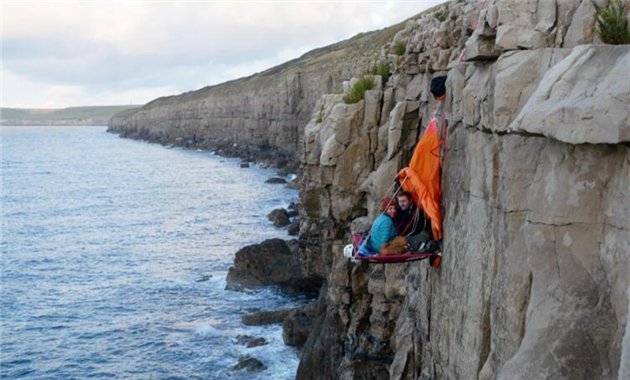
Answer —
383 229
413 225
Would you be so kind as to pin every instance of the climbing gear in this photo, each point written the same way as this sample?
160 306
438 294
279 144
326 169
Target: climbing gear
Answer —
422 178
348 251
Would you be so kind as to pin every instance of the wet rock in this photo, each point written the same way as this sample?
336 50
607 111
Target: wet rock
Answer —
279 217
293 185
203 278
276 180
248 364
251 341
293 213
297 326
272 262
244 164
261 318
294 228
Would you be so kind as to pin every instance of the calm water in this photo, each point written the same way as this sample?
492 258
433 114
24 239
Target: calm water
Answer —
104 243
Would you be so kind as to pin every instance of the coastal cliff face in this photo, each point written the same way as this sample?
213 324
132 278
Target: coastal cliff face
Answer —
267 109
535 276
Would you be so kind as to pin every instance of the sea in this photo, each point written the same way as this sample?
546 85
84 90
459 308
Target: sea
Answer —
114 258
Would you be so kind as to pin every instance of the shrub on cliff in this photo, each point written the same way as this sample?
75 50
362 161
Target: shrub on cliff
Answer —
612 24
399 48
357 92
383 70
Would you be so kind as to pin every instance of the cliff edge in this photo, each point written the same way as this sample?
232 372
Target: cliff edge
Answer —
265 110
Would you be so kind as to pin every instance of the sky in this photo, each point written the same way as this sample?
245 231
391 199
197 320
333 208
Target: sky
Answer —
74 53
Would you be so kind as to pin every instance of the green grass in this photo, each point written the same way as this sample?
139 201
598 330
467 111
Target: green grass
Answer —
399 48
357 92
441 14
97 114
612 24
383 70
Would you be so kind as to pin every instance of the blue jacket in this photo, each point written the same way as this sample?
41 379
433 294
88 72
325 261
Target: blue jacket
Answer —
383 231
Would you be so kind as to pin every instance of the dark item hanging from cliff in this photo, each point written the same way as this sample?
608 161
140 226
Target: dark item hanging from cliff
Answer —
362 253
438 87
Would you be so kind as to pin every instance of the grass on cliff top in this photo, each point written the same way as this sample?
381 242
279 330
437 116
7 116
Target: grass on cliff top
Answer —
612 24
357 92
99 114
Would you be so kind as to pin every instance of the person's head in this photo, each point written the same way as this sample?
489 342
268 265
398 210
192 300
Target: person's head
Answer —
404 200
388 206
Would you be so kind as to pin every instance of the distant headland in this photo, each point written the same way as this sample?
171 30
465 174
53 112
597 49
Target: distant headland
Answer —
88 115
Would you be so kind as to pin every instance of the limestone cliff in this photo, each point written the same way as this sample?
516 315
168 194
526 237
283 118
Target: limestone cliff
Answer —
267 109
535 277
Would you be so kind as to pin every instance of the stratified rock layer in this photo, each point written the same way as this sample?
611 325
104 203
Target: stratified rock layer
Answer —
535 274
534 281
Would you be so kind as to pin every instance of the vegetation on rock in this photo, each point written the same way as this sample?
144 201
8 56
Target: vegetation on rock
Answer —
612 24
399 48
357 92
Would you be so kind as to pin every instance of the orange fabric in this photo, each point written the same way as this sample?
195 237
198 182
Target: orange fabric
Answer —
422 177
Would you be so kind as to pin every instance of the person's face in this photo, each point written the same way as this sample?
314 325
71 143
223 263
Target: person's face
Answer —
403 203
391 210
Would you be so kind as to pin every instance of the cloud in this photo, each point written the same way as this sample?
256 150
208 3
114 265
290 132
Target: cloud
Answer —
99 49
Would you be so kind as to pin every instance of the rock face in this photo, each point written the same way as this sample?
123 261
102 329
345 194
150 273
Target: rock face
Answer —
297 326
265 110
535 277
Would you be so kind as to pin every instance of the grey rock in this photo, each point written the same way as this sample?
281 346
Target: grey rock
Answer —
261 318
582 99
248 364
276 180
251 341
294 228
279 217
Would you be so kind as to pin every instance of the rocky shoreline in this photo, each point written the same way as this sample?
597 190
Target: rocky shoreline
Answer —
275 262
266 155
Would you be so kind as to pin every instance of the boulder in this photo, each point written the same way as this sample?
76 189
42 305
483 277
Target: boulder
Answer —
276 180
248 364
267 263
272 262
244 164
270 317
251 341
279 217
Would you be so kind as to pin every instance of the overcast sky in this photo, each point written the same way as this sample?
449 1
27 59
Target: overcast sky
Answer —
59 54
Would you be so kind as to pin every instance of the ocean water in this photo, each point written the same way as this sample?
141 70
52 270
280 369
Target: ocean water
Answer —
114 256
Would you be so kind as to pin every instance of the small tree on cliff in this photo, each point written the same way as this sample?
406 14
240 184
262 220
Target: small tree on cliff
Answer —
612 24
